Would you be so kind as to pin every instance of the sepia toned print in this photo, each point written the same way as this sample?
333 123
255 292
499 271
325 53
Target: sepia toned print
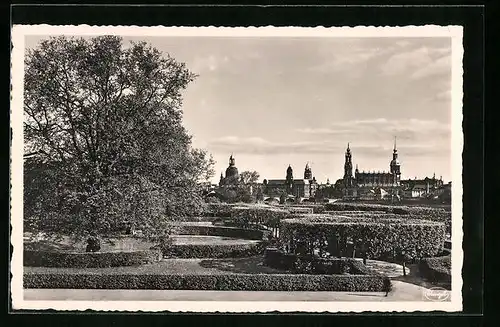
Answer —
237 170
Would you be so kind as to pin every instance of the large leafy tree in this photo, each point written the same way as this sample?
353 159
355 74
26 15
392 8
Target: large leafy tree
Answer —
106 123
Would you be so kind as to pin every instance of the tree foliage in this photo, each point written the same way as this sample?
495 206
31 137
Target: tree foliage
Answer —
249 177
106 122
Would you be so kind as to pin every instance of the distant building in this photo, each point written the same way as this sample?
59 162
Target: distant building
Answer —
368 185
420 188
298 188
232 177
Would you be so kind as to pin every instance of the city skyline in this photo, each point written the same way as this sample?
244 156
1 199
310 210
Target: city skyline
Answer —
279 101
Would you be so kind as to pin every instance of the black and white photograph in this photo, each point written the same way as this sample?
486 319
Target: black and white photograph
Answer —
237 169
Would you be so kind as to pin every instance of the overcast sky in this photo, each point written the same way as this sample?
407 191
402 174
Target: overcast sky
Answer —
279 101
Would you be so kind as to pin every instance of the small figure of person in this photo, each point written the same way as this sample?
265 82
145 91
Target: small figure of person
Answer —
93 243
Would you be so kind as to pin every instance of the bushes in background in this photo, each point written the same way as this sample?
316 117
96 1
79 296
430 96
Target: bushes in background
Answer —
88 259
222 282
379 239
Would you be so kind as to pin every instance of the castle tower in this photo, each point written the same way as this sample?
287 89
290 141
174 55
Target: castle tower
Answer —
395 165
308 172
348 168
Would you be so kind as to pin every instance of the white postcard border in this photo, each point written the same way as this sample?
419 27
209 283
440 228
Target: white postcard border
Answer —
20 31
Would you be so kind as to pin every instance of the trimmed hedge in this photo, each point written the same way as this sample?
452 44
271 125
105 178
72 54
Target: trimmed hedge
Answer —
88 259
380 238
217 209
314 265
433 214
212 250
437 269
226 282
258 215
248 234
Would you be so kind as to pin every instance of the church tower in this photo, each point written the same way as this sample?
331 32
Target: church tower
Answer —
289 179
308 172
348 168
395 165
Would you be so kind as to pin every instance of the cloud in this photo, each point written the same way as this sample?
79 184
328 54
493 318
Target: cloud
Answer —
419 62
410 129
323 145
440 66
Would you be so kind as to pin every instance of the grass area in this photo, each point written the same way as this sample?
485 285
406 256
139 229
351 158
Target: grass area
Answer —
251 265
66 244
208 240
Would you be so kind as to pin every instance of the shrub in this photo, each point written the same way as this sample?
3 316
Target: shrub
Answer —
436 269
88 259
212 250
380 239
221 282
313 265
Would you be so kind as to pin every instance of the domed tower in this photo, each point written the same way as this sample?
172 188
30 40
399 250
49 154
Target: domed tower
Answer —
232 175
289 179
395 165
348 167
308 172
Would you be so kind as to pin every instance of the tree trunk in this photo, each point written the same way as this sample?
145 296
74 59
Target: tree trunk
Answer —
404 268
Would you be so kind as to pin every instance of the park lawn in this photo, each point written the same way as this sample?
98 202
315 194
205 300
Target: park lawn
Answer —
250 265
65 244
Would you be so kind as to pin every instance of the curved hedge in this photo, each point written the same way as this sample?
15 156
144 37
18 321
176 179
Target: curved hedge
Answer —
220 282
212 250
379 238
437 269
35 258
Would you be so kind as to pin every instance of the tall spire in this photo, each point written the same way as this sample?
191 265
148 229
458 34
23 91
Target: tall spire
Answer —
395 148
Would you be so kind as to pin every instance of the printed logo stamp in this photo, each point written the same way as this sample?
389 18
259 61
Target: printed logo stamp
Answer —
437 294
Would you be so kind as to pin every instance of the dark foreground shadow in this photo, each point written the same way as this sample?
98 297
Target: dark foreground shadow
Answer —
415 278
251 265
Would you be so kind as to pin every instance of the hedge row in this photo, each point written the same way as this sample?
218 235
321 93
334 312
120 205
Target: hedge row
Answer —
222 282
434 214
339 206
88 259
437 269
308 264
379 239
438 216
258 215
249 234
213 250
